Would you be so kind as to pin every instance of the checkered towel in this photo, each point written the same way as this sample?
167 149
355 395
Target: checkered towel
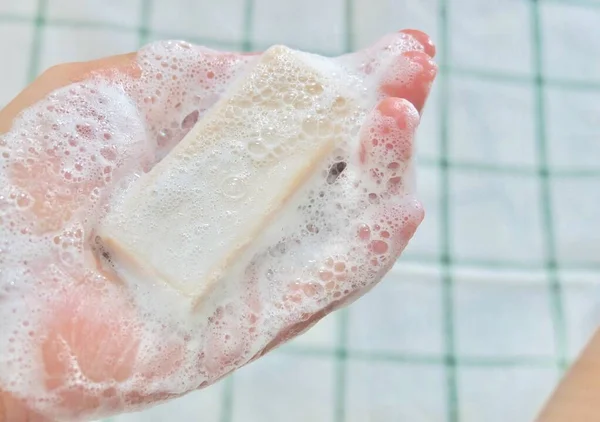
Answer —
499 290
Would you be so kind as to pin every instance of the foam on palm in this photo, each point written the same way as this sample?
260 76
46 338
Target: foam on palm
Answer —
76 157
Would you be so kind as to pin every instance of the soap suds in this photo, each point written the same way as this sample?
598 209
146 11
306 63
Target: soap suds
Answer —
74 156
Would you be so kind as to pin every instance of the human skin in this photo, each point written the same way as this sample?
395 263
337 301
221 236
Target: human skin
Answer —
576 397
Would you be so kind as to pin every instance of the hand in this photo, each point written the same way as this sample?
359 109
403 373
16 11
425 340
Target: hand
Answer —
73 334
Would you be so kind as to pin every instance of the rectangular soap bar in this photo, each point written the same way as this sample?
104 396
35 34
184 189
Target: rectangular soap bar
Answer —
188 220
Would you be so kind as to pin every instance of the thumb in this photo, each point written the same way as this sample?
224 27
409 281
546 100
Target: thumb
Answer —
63 75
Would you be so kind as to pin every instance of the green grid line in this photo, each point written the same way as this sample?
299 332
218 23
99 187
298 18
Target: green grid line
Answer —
14 18
89 24
36 46
554 285
349 23
145 15
486 74
227 399
573 85
589 4
143 29
247 44
452 396
508 169
422 258
507 77
341 367
422 358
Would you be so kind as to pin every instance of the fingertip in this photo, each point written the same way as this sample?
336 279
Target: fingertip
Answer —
429 66
402 111
404 82
423 39
387 136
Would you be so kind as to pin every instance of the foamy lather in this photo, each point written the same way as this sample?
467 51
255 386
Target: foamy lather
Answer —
236 279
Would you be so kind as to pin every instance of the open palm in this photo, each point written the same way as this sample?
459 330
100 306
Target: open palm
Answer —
66 353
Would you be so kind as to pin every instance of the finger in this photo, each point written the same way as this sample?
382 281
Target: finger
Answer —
390 46
423 39
402 64
384 240
60 76
410 77
386 148
387 144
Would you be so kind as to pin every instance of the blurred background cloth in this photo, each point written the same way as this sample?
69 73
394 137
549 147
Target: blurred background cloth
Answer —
500 288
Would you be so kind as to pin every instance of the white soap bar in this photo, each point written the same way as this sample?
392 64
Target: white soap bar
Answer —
187 221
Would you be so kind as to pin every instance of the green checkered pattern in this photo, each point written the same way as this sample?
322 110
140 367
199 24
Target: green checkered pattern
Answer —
455 399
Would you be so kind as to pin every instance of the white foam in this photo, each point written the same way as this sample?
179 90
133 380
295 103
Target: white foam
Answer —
76 154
